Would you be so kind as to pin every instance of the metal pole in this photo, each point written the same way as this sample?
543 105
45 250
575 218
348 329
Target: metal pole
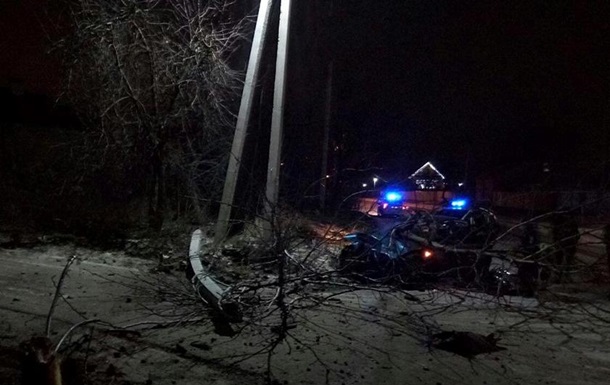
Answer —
245 111
277 121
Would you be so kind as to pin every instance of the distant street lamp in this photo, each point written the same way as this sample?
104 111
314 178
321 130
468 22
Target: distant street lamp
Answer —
364 185
375 182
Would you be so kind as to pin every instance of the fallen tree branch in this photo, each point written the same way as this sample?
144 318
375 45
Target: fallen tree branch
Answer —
64 273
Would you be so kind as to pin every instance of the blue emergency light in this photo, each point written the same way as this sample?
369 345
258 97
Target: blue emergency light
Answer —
459 204
393 196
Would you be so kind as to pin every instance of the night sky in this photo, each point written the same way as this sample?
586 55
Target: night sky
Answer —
24 47
491 84
473 86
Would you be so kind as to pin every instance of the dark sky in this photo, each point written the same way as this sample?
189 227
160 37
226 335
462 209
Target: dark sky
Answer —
24 47
496 82
488 84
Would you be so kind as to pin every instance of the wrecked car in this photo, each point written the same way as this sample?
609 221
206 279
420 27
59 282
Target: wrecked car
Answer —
460 222
401 256
415 252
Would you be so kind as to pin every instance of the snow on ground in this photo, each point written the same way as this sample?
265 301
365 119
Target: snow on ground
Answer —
352 334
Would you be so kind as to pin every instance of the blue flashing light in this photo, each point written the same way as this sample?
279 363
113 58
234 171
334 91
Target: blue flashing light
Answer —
393 196
458 204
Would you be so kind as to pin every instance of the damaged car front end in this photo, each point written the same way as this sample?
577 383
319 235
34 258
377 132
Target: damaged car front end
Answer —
413 254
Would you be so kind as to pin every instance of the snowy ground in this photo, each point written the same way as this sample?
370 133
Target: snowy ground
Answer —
353 336
121 291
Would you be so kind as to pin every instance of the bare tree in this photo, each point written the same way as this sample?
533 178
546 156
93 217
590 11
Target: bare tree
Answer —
152 83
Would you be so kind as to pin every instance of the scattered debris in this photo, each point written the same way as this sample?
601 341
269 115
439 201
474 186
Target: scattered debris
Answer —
466 344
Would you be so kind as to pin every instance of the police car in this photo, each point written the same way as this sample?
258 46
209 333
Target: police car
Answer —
393 203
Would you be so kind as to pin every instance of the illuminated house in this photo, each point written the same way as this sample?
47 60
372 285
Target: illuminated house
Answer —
427 177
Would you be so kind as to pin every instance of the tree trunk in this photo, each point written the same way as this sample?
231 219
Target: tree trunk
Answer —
156 202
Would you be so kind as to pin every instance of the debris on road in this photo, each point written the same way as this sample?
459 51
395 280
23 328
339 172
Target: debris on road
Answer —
466 344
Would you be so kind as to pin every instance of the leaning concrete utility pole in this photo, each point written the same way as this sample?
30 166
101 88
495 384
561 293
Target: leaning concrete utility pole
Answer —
243 119
277 120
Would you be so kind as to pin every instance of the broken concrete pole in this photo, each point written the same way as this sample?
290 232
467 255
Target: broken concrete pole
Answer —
205 285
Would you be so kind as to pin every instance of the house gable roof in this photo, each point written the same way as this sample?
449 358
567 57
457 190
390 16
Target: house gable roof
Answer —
427 171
